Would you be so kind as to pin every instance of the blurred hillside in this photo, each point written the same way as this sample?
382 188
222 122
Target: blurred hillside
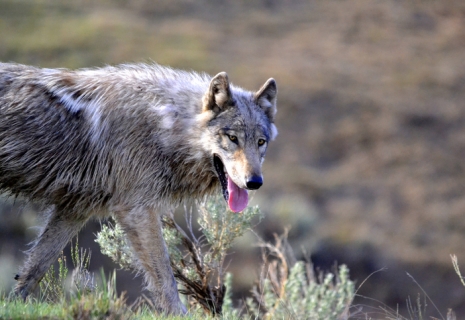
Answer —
368 169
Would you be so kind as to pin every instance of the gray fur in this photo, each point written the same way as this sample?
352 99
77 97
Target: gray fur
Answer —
133 141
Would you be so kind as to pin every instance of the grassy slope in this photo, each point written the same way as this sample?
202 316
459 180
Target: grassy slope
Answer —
89 308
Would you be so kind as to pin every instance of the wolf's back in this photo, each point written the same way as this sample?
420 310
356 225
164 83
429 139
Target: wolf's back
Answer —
44 153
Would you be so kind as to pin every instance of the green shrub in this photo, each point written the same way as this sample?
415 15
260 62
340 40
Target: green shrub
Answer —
289 289
197 262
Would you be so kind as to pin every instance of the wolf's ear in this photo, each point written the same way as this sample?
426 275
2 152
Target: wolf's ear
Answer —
266 98
218 95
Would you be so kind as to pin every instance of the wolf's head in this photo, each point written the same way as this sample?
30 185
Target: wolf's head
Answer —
240 126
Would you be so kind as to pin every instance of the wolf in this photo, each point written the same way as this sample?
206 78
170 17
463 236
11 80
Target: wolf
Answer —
132 141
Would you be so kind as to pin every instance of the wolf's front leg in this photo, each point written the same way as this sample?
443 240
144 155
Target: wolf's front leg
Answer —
143 228
60 228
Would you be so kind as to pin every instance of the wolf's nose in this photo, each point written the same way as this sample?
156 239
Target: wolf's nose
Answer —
255 183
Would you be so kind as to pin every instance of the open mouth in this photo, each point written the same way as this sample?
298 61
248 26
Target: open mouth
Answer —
220 171
236 197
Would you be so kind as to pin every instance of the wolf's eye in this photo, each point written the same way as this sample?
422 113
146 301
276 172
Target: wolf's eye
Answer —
232 138
261 142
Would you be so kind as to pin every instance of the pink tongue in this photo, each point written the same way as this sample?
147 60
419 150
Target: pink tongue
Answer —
238 198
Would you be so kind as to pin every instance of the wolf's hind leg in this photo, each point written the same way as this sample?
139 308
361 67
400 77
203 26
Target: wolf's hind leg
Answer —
143 228
58 231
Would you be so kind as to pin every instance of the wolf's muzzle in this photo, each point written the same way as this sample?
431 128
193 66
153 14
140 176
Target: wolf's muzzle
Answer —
254 183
